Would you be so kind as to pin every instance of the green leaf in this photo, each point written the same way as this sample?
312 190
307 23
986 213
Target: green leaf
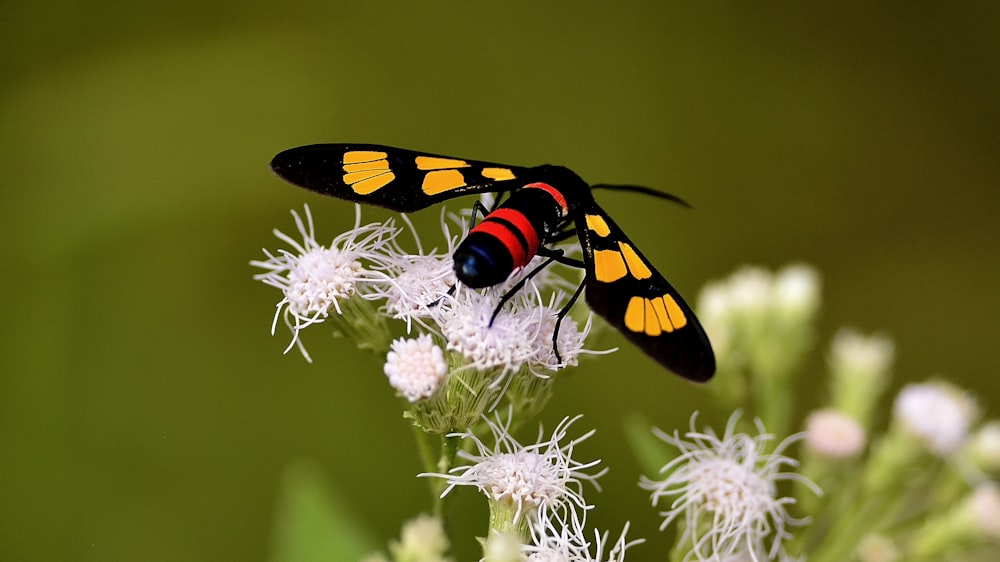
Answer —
312 524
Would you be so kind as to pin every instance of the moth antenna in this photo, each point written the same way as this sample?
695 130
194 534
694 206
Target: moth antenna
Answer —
645 190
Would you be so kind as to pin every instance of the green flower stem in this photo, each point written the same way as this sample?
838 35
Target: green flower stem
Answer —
506 533
949 488
449 450
773 404
826 512
436 463
945 534
875 514
682 547
427 455
846 533
893 459
430 462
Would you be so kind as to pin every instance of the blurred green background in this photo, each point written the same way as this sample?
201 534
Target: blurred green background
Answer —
146 413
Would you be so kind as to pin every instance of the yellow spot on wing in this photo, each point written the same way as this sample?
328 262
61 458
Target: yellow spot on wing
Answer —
677 317
354 177
636 266
661 315
608 266
435 163
634 314
371 183
355 156
597 224
498 174
654 316
442 180
367 166
652 325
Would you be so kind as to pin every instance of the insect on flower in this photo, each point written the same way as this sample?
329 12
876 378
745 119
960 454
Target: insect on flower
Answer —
544 205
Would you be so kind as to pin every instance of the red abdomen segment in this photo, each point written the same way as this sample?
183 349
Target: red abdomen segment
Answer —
512 229
509 237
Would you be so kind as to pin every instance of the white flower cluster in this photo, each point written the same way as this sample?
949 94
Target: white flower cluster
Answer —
726 490
538 487
753 309
365 276
536 482
931 469
315 279
937 413
731 497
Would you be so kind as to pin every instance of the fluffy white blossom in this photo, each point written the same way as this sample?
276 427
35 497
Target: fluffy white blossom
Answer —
834 435
315 279
422 538
536 482
569 543
984 503
726 490
878 548
519 336
868 356
570 340
983 448
417 282
937 413
860 370
466 320
795 290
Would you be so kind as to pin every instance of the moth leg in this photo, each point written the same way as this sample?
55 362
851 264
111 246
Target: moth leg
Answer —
559 256
481 210
559 318
520 284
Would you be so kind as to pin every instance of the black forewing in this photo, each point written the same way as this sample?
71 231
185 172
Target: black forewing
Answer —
686 349
394 178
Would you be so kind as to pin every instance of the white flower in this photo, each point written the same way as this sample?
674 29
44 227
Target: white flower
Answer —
715 311
502 547
536 482
569 341
415 367
725 487
314 279
984 447
760 322
568 543
984 504
418 286
521 333
417 282
868 356
505 344
422 538
834 435
937 413
749 291
714 302
795 290
877 548
746 556
859 368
